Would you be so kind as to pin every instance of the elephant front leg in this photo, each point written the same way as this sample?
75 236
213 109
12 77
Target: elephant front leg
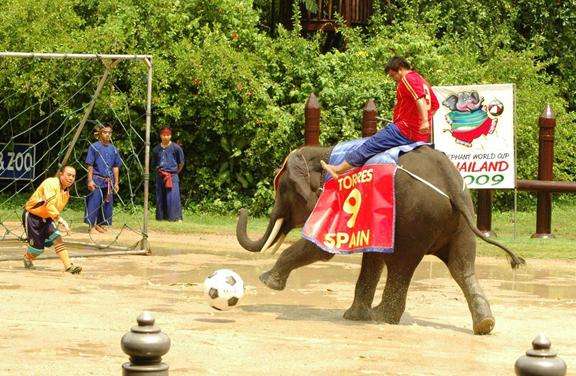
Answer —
299 254
361 309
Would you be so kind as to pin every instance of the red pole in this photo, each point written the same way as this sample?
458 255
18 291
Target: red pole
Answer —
546 123
312 121
369 122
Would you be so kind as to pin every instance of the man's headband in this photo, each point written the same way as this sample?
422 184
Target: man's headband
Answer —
165 130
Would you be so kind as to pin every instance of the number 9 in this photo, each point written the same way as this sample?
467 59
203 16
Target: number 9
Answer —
352 206
497 179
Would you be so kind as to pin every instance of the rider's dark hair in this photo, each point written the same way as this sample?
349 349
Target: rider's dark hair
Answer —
396 63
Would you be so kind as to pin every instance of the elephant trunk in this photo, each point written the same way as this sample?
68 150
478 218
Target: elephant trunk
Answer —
265 241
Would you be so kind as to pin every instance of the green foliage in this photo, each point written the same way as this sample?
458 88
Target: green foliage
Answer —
235 96
544 25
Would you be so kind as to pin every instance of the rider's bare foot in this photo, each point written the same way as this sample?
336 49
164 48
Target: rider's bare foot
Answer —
330 169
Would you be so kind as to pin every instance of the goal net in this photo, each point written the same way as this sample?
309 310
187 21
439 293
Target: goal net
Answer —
51 107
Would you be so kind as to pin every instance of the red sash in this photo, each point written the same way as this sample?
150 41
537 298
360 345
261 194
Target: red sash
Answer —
166 178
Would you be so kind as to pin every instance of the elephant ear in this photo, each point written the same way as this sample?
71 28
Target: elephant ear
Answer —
476 96
299 175
450 102
279 174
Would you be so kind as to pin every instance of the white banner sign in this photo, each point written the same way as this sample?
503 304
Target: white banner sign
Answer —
474 126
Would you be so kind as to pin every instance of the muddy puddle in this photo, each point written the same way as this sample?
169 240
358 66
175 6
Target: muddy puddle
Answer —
324 278
534 280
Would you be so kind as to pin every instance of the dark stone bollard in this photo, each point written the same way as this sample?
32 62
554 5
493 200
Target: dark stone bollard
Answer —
540 360
145 344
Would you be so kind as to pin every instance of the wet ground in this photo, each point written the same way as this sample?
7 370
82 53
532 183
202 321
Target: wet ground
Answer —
52 323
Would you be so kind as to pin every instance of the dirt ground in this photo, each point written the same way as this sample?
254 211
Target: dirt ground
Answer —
52 323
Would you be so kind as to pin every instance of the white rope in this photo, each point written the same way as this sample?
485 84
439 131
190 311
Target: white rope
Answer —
423 181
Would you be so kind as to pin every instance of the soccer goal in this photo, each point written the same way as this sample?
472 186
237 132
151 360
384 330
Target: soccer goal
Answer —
51 107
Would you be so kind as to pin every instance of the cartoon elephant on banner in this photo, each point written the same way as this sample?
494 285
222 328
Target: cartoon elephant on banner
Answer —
427 223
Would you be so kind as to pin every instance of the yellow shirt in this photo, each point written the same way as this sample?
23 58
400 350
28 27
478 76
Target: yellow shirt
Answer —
48 200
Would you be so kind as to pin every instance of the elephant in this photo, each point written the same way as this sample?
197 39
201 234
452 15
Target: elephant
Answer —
427 223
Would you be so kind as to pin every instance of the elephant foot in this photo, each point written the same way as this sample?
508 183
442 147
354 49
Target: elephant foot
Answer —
358 313
484 326
273 281
482 315
386 315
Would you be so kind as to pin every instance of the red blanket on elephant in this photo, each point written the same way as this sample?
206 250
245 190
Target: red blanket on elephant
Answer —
356 212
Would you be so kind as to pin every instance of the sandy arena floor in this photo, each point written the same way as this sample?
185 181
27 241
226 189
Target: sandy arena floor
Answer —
52 323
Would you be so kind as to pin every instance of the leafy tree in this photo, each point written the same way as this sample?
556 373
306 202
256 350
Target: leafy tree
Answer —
235 96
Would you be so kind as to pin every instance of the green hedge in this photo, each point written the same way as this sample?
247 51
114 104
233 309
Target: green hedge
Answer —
235 95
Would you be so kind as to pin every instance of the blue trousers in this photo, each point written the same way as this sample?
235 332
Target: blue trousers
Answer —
168 206
98 211
384 139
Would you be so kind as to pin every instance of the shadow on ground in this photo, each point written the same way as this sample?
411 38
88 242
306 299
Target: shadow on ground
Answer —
307 313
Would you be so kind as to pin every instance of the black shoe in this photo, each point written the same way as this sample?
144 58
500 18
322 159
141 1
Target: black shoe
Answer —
74 269
28 263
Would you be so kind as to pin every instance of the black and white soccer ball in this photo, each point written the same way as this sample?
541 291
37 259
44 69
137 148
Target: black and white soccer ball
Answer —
223 289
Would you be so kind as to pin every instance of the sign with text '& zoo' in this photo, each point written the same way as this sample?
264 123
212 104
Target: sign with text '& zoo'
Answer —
474 126
355 213
17 161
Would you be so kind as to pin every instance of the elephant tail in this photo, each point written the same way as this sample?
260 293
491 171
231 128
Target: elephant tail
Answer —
457 194
458 200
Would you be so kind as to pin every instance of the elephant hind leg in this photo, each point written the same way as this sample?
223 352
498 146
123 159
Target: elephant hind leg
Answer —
461 265
299 254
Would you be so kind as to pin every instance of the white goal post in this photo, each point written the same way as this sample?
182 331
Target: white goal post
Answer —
109 62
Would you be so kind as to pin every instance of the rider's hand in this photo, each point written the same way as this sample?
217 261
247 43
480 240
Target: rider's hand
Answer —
425 127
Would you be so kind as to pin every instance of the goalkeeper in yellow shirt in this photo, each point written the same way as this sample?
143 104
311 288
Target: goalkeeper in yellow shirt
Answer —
42 214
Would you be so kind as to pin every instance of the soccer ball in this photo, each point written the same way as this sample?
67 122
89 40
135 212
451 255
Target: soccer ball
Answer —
223 289
495 108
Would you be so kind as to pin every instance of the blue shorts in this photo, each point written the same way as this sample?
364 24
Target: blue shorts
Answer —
41 232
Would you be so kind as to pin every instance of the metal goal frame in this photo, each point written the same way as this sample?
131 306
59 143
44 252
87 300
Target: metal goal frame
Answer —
109 61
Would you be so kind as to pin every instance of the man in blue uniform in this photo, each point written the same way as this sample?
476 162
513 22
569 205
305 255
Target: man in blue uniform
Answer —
168 158
104 163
